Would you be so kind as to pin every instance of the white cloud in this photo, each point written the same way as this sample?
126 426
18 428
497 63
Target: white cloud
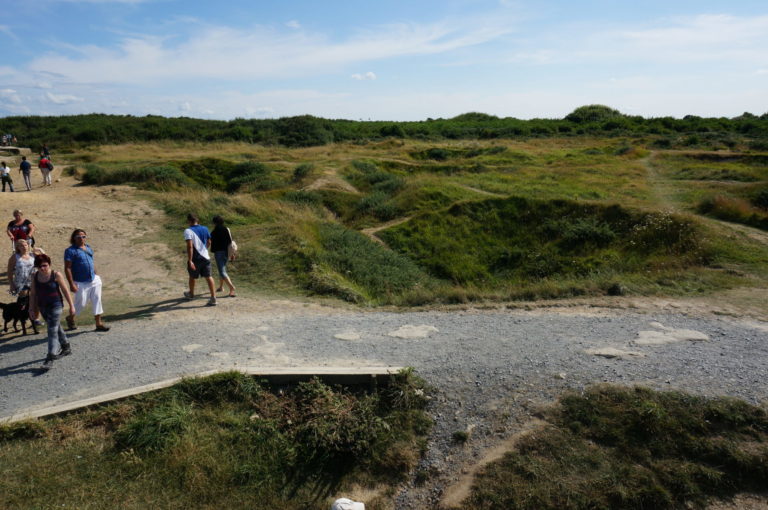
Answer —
217 52
185 107
761 72
293 24
367 76
10 95
61 99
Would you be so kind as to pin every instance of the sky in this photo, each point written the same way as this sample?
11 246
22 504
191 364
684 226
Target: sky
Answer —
382 60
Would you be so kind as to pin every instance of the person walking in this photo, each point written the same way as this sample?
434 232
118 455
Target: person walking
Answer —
5 176
221 238
20 228
46 167
48 289
82 278
20 266
198 241
25 169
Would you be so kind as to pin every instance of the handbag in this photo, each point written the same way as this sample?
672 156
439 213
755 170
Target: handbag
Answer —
232 248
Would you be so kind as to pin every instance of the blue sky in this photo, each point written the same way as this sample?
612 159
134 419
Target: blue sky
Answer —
393 60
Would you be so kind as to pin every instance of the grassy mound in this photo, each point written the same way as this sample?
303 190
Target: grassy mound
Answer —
521 239
619 448
221 442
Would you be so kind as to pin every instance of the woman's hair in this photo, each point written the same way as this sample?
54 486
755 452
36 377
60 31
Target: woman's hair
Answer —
42 259
17 211
18 242
74 233
218 220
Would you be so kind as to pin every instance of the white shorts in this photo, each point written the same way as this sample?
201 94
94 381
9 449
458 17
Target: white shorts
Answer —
88 291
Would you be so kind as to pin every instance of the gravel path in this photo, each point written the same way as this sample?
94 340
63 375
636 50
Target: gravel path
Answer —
491 369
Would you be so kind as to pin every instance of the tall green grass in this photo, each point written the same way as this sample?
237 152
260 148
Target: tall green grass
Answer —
219 442
631 448
485 242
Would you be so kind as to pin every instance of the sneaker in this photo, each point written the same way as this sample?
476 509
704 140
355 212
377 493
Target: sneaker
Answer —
211 302
66 349
71 322
48 363
102 327
188 295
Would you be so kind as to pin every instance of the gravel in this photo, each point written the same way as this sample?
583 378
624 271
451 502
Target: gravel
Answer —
491 369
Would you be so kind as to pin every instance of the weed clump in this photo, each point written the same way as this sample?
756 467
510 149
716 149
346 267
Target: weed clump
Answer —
632 448
227 441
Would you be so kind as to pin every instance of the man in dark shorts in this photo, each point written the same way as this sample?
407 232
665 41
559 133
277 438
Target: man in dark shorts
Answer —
198 240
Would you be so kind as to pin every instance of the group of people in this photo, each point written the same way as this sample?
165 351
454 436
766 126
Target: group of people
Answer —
43 290
8 140
46 292
200 242
25 169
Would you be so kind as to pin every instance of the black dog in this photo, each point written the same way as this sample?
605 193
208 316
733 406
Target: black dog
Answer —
18 311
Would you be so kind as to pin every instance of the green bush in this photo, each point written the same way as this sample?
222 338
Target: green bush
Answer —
631 448
487 242
148 176
302 171
355 264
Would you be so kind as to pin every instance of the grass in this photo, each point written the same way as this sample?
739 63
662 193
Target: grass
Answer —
631 448
225 441
448 250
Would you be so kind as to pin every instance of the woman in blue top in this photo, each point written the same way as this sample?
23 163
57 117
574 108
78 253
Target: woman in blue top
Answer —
48 288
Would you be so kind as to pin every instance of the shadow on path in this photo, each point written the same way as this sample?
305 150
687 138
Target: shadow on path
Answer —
150 309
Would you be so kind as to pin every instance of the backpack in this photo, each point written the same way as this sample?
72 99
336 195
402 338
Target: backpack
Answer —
49 165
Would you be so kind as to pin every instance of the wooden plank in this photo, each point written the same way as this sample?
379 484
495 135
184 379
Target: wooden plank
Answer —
350 375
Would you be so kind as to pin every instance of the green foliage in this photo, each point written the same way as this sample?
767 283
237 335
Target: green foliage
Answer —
737 210
306 130
760 198
351 266
631 448
302 171
226 441
251 175
593 113
151 177
518 238
156 429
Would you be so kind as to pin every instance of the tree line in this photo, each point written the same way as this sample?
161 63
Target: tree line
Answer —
307 130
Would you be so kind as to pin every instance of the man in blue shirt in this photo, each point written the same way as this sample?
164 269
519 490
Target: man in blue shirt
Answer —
25 168
84 283
198 240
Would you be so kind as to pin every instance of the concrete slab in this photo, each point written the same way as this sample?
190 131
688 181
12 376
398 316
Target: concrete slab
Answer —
276 376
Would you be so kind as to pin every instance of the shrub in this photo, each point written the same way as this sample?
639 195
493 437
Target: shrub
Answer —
358 260
593 113
301 171
252 175
761 199
734 209
303 197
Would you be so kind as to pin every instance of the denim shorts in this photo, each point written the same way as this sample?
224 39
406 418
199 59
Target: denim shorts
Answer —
221 262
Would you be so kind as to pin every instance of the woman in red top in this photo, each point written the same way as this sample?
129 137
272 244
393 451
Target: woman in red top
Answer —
20 228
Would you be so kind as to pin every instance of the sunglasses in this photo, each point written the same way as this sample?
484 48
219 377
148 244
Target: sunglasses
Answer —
80 237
